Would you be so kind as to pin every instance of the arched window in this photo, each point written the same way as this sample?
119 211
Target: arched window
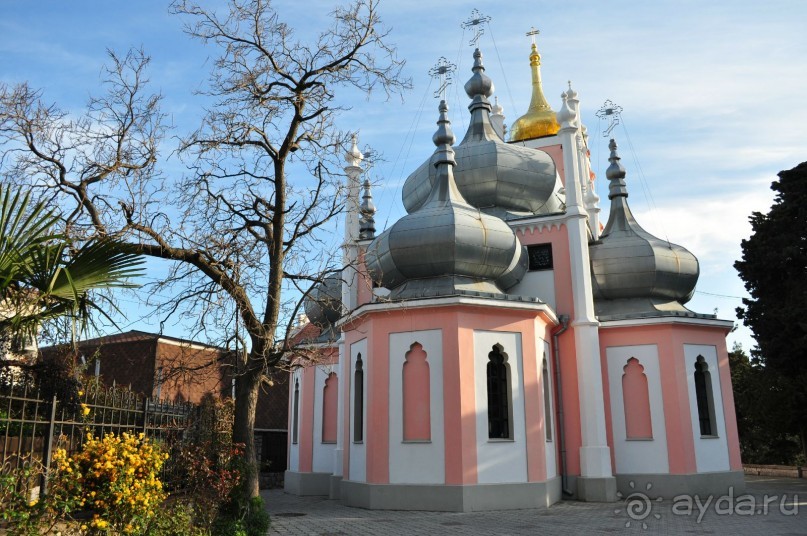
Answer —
295 415
547 381
636 401
330 401
416 395
704 397
498 375
358 401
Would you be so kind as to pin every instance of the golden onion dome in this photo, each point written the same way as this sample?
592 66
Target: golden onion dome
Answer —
540 120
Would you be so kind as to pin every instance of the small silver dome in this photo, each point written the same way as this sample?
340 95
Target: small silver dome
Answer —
501 179
323 305
446 246
634 272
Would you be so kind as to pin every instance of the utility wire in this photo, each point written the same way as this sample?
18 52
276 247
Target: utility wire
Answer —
643 181
501 66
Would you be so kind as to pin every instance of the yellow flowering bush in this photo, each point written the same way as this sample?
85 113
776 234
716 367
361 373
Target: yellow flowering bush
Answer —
117 479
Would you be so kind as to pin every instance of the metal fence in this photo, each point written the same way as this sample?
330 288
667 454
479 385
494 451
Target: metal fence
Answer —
32 426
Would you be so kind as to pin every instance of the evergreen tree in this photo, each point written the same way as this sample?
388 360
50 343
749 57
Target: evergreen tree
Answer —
774 268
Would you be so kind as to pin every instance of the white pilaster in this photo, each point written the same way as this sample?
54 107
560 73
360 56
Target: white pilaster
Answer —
595 458
340 408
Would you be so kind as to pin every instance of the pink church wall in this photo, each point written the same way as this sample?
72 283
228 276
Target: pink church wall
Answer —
670 340
378 409
305 436
345 374
365 286
306 420
533 404
556 153
459 403
457 324
564 304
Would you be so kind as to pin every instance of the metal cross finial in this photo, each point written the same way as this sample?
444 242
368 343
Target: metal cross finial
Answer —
612 113
443 71
532 33
477 20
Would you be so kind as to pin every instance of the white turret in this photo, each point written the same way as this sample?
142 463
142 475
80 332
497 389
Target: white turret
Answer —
353 170
497 118
590 198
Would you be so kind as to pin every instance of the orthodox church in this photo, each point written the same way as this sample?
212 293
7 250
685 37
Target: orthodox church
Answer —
497 348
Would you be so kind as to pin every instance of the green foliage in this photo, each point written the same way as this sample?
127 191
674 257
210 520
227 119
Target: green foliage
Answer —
175 519
774 269
57 377
45 275
763 429
242 517
21 508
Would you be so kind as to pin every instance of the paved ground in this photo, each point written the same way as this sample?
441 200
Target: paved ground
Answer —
322 517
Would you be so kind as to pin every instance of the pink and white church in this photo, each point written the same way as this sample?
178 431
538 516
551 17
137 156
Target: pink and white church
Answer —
497 348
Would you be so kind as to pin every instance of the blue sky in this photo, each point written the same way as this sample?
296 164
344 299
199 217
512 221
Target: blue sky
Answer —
713 96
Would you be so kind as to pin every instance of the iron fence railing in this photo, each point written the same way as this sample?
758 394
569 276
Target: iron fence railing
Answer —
32 426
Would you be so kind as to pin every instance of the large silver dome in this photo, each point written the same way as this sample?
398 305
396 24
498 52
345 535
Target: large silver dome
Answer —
446 246
633 272
501 179
323 305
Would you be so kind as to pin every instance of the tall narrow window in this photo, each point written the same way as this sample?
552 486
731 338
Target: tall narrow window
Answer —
330 402
416 396
358 401
636 401
295 415
547 400
704 397
158 383
498 375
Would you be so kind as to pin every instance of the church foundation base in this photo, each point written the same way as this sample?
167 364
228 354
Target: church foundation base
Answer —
446 498
669 486
601 489
336 487
307 483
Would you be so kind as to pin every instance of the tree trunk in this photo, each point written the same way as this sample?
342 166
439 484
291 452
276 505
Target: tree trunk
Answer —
246 399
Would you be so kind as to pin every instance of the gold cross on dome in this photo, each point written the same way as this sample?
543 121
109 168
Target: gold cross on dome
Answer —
532 33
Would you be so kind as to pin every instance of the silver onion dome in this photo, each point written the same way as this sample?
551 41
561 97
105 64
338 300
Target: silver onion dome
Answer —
323 305
633 272
501 179
446 246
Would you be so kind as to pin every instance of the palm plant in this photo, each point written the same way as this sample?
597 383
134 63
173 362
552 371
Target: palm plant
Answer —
43 275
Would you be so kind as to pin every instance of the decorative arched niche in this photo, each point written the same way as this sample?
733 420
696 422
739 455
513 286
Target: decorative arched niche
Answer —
416 395
636 401
330 403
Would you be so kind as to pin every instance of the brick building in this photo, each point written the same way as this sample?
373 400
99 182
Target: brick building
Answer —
170 368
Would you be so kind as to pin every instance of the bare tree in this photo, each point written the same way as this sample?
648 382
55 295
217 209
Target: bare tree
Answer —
243 228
